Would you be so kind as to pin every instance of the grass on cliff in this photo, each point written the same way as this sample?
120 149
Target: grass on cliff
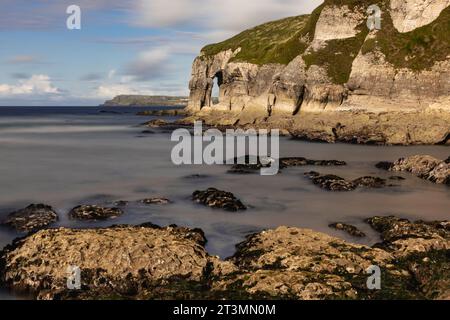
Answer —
273 42
417 50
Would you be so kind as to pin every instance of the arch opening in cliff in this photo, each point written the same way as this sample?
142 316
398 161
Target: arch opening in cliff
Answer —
213 90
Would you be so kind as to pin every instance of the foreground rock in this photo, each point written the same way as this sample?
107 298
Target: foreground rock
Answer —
215 198
303 264
149 262
351 230
93 212
119 261
31 218
425 167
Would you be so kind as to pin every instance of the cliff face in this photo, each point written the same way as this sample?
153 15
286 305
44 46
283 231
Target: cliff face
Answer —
329 61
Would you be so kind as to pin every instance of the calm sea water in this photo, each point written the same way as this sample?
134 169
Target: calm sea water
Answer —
70 156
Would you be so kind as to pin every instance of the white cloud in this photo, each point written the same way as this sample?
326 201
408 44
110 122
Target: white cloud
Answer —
36 84
148 64
108 91
231 15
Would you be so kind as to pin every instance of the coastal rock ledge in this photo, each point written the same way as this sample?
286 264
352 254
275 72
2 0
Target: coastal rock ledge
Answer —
149 262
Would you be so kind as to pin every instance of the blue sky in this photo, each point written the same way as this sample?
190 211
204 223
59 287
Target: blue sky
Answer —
123 47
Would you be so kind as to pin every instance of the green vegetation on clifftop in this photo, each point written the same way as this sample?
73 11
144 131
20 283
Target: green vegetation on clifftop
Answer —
273 42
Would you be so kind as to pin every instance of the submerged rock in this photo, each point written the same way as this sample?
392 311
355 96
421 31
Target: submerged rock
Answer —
215 198
370 182
299 161
397 178
423 166
384 165
93 212
156 201
351 230
31 218
121 203
250 168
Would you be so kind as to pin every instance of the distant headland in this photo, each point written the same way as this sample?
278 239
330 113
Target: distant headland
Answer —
145 101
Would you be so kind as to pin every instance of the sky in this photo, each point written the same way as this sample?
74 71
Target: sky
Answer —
123 46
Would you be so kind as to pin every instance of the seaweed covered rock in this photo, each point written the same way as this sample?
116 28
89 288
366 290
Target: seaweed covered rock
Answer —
351 230
93 212
121 261
298 161
31 218
249 168
370 182
151 201
150 262
294 263
331 182
425 167
215 198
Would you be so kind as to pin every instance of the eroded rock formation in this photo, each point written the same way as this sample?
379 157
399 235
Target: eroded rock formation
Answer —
331 65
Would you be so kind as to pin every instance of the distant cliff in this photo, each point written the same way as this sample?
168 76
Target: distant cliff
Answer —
146 101
280 73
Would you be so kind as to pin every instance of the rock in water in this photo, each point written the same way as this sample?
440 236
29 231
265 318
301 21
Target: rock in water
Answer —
331 182
370 182
31 218
156 201
384 165
295 162
156 123
334 183
218 199
351 230
93 212
425 167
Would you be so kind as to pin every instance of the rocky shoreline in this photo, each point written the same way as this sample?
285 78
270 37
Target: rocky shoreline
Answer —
355 127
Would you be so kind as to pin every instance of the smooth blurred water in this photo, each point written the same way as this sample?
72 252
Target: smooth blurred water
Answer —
70 156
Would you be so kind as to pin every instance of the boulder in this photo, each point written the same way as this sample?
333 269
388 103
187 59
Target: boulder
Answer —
215 198
93 212
425 167
122 261
31 218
